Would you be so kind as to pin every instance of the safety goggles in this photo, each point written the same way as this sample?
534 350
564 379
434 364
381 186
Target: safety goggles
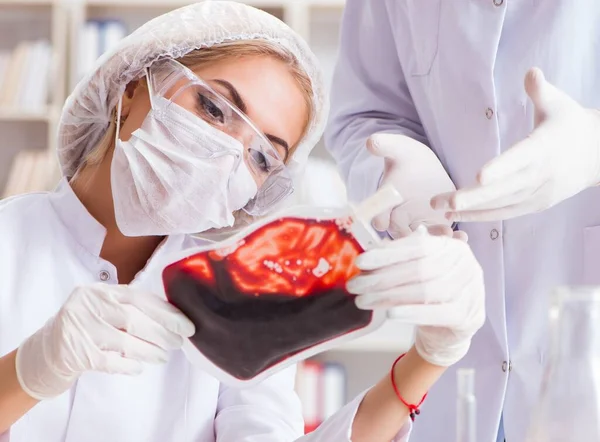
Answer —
181 87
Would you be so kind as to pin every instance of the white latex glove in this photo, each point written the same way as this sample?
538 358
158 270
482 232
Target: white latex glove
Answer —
433 282
416 172
108 328
560 158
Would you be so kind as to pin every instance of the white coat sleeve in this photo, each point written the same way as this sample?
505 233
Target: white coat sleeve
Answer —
369 95
268 412
338 427
272 412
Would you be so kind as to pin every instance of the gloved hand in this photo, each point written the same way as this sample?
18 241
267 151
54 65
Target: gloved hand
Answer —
559 159
433 282
415 171
108 328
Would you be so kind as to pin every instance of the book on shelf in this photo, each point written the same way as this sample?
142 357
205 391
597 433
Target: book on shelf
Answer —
97 37
321 387
25 75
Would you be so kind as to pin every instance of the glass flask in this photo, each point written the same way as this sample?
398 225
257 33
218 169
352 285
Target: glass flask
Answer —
568 408
466 406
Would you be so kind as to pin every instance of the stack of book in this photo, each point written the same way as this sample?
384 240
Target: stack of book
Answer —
25 75
321 387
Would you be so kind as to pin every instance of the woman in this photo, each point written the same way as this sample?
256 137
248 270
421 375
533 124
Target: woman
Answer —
199 117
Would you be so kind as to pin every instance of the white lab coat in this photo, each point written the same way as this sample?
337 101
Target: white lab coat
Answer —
450 74
51 244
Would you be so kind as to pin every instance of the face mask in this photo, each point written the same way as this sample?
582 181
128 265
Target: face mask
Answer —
177 174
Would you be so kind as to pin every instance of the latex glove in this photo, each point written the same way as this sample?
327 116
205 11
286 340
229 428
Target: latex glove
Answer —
559 159
415 171
107 328
433 282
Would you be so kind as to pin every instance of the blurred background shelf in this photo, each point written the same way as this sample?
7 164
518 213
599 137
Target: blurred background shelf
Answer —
392 337
177 3
26 3
33 79
46 114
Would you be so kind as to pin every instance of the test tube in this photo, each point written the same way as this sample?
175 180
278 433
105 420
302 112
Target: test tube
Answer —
466 406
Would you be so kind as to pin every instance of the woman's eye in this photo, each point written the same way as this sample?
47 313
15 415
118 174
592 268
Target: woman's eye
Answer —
211 110
260 160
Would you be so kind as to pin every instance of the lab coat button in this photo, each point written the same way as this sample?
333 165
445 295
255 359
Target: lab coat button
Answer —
494 234
498 2
506 366
104 275
489 113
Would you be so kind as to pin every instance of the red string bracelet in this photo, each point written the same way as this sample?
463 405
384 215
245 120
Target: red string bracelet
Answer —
413 409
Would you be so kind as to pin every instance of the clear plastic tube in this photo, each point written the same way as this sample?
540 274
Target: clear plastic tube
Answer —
466 406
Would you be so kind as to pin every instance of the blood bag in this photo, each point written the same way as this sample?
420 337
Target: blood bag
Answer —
275 293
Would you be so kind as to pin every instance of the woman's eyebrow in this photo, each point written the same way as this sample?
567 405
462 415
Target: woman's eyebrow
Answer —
234 95
281 142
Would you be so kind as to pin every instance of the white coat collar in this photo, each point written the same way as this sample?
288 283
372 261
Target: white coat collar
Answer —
84 228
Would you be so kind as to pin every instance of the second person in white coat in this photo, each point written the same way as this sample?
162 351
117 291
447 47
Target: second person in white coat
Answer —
429 94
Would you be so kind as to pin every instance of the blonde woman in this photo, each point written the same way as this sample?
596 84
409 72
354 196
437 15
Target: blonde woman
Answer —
200 117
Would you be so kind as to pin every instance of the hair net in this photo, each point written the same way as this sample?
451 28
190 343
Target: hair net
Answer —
87 111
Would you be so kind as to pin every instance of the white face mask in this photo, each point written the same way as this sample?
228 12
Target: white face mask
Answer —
177 174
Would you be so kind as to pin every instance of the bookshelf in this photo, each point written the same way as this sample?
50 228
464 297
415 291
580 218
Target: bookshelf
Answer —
36 87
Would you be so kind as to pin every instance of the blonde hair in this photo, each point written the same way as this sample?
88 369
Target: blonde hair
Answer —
221 52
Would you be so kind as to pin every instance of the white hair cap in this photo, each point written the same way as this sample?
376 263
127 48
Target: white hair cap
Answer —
87 111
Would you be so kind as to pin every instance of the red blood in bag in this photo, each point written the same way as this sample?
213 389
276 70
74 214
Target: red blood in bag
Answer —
277 292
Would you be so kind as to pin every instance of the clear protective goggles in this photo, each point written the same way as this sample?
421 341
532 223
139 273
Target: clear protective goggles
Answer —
181 87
